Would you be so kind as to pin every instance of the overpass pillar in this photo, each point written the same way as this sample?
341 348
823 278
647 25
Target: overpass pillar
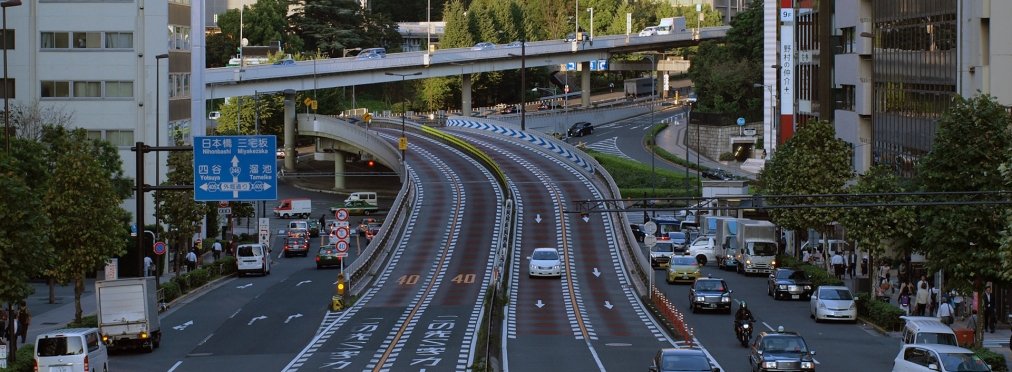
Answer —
465 95
338 170
585 84
290 130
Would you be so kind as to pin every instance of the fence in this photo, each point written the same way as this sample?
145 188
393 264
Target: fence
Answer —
674 317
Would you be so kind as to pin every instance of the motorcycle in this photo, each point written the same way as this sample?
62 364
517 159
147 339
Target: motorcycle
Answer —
745 333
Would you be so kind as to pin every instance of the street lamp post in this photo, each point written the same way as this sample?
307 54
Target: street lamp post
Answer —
591 10
158 129
523 83
653 137
344 90
404 114
7 109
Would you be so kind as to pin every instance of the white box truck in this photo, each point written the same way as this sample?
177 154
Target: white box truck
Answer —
725 230
128 313
671 25
757 244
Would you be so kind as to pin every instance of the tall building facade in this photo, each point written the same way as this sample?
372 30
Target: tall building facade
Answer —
97 61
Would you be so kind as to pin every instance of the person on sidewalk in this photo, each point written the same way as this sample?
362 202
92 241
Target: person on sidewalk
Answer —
3 321
957 301
191 261
922 298
904 298
611 87
837 262
25 320
946 312
148 263
989 318
971 322
852 264
216 248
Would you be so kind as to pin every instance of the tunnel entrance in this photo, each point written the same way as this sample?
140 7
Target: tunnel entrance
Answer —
742 151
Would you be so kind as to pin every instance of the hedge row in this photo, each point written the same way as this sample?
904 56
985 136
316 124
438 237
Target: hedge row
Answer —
881 313
186 282
994 359
25 360
819 275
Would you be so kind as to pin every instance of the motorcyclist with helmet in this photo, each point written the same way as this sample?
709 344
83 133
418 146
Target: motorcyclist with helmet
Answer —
741 316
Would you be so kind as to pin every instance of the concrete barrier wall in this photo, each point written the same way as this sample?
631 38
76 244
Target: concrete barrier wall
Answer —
328 127
561 120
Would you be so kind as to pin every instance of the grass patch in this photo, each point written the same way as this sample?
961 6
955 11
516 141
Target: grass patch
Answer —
664 154
635 180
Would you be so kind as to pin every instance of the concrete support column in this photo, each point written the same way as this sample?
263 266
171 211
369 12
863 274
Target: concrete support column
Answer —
338 170
465 95
585 84
290 156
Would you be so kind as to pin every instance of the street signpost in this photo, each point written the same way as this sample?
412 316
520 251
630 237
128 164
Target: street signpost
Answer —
264 226
235 168
341 214
342 247
159 248
650 240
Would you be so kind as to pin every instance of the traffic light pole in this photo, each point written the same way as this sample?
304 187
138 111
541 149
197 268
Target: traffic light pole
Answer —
140 187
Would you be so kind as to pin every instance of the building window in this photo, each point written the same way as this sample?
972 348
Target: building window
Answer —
9 92
179 85
55 89
179 37
87 40
87 89
847 97
122 89
120 137
8 40
119 40
184 2
848 40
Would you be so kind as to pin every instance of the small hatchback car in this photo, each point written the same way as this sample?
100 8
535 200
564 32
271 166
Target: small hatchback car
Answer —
581 129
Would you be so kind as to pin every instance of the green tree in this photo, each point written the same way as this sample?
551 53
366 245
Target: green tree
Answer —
177 207
260 23
969 149
876 229
334 25
220 49
82 194
271 110
814 161
456 33
723 73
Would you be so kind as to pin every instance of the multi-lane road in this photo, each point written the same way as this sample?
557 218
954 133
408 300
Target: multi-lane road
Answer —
425 305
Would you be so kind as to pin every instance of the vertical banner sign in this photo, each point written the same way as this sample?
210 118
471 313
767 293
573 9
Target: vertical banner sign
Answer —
628 23
770 23
787 80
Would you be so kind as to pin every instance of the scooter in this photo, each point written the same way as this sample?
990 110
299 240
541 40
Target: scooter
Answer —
745 333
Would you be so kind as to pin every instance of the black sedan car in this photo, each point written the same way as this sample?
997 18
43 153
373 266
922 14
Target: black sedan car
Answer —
709 294
549 106
718 174
637 232
790 283
780 351
581 129
510 110
681 360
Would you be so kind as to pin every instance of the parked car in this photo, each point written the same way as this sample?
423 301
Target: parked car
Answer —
718 174
789 283
649 31
681 360
516 44
510 110
572 37
581 129
284 62
483 46
549 106
940 358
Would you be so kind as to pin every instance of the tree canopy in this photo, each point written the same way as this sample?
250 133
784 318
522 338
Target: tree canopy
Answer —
724 72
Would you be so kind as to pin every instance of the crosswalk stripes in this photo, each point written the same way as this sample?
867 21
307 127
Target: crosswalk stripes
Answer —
608 146
994 343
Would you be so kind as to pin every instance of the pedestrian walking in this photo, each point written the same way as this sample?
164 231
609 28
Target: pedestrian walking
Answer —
148 263
971 322
852 264
216 250
904 299
191 261
323 220
838 265
922 298
25 320
3 321
946 312
611 87
957 301
933 305
989 318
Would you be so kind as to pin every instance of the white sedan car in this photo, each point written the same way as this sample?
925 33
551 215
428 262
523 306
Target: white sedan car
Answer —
937 358
545 262
649 31
833 303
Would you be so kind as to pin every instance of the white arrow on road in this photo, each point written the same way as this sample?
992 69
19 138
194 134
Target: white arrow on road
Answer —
303 282
245 286
292 316
538 218
255 319
596 273
608 305
540 304
586 219
183 326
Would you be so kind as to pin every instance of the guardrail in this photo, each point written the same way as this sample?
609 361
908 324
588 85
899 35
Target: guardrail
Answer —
374 256
467 147
674 317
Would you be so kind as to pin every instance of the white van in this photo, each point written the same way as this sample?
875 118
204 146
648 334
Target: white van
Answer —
296 207
71 350
927 330
253 258
366 196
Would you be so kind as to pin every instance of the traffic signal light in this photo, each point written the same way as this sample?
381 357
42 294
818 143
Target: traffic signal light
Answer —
340 284
371 163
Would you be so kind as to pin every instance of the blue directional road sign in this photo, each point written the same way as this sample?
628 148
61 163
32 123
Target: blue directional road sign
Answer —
235 168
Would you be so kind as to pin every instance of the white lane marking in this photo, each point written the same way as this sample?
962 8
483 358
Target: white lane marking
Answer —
235 313
175 365
205 339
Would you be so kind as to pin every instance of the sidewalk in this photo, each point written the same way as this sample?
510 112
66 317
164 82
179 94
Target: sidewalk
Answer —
672 139
47 317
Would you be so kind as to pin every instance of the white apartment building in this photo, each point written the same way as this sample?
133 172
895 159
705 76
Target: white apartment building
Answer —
97 60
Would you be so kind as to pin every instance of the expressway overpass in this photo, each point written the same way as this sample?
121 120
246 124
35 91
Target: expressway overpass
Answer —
341 72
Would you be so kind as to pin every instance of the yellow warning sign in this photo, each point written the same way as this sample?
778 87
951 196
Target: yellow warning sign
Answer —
402 144
315 104
367 117
308 101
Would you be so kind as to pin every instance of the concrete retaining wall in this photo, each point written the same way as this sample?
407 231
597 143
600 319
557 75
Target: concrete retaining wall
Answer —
715 140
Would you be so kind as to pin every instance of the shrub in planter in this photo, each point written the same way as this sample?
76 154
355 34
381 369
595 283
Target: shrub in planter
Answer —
993 359
227 265
727 156
171 290
183 280
26 360
881 313
197 277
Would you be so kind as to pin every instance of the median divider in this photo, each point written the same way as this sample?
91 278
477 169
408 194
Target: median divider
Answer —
467 147
674 317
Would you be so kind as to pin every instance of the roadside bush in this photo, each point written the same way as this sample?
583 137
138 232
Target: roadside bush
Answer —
227 264
995 360
727 156
26 360
170 290
881 313
90 321
197 278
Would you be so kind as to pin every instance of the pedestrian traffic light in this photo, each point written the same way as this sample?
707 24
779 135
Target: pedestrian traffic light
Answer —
340 284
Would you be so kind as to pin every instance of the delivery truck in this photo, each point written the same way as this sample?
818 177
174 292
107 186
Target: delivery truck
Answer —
725 249
757 246
671 25
128 313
